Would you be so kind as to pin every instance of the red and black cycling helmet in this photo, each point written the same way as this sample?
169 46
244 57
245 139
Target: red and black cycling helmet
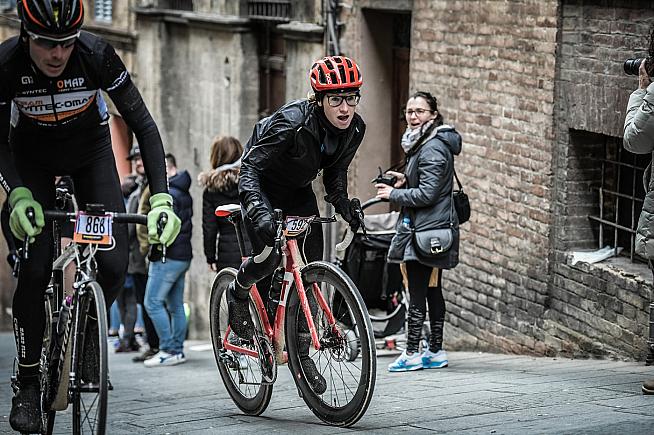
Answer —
51 18
334 74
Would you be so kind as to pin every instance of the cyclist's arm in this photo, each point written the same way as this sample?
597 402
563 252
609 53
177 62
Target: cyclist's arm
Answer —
142 230
335 176
262 149
8 175
127 98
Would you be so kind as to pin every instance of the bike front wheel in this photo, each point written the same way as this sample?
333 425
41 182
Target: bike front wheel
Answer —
350 380
241 373
89 388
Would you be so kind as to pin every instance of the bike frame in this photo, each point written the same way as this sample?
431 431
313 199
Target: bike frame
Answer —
292 274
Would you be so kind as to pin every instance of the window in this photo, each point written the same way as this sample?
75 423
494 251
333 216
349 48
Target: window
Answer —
618 191
180 5
272 76
269 10
103 10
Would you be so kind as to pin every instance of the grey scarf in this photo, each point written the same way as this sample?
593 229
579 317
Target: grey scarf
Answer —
411 136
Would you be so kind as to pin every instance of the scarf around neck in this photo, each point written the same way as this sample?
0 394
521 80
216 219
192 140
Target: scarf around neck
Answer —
411 136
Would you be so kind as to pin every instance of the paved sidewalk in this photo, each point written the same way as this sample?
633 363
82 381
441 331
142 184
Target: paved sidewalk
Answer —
478 394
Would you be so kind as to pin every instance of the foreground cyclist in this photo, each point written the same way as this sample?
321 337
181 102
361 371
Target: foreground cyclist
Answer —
52 74
284 154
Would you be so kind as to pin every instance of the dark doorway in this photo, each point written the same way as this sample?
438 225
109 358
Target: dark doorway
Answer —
400 82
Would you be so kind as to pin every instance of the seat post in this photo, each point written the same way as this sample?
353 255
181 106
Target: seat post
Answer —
236 219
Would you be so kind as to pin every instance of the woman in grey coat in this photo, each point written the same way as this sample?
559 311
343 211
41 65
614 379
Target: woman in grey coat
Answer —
424 192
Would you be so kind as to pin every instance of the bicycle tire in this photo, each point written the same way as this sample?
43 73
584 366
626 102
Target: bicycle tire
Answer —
91 419
327 406
47 415
254 400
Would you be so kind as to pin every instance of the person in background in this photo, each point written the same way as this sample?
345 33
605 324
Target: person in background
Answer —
639 139
424 191
164 293
220 186
136 266
126 299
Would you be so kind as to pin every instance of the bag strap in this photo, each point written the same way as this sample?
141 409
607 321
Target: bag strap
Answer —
456 177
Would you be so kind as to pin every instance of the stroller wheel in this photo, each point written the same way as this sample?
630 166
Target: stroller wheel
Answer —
352 348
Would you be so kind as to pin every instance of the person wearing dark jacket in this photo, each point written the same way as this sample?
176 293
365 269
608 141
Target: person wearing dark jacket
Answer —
164 292
286 152
220 186
424 191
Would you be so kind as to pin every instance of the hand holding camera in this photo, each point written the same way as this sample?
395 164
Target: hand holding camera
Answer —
387 179
642 68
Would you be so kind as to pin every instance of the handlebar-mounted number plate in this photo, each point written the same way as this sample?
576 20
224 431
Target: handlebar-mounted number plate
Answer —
93 228
297 225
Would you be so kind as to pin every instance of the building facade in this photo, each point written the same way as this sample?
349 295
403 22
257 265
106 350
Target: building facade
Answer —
536 89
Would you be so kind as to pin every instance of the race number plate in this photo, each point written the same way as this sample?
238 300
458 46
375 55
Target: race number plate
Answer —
296 225
91 228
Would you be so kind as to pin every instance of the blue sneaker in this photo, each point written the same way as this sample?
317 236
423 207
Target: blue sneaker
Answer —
406 363
436 360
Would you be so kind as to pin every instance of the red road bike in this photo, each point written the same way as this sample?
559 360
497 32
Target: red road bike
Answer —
318 293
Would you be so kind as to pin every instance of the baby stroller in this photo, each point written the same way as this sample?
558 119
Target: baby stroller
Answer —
380 283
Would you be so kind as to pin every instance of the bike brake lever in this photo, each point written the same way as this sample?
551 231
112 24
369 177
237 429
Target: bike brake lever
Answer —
161 224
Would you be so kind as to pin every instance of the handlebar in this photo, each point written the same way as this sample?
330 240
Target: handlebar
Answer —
119 218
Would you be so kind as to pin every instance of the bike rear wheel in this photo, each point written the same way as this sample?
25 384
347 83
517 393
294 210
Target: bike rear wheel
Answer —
89 396
241 374
350 381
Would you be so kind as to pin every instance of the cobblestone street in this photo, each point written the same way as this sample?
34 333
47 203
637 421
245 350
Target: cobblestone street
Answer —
478 393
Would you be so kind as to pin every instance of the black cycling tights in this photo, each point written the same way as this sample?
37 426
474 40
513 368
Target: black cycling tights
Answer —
94 174
420 293
299 203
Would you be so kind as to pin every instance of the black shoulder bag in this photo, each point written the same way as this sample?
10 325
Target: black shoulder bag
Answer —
461 201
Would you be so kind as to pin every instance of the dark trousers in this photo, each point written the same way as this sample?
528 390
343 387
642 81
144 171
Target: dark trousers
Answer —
96 181
420 293
140 280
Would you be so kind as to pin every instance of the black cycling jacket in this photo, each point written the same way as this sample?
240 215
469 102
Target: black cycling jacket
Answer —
70 108
284 154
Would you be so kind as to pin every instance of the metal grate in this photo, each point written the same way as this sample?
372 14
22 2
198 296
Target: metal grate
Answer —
103 10
181 5
269 10
621 196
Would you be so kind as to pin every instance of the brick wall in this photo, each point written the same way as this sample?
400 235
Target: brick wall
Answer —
598 309
495 83
536 98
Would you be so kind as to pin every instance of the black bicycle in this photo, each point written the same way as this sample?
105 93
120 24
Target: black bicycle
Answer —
76 314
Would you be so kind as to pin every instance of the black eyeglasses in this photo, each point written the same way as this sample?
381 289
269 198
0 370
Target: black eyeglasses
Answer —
418 112
50 43
337 100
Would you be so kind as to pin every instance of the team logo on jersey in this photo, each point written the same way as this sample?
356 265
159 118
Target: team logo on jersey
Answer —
70 83
27 80
55 108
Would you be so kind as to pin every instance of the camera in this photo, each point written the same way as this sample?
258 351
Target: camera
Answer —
389 180
631 65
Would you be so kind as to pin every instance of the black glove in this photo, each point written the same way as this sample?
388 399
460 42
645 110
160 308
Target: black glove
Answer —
350 211
262 220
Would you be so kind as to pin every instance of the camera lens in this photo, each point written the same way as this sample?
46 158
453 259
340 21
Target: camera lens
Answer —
631 66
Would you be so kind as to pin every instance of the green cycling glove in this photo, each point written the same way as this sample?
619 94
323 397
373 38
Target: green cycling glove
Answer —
20 199
162 203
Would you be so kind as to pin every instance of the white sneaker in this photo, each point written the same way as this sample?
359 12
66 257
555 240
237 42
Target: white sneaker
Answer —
406 363
436 360
165 359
